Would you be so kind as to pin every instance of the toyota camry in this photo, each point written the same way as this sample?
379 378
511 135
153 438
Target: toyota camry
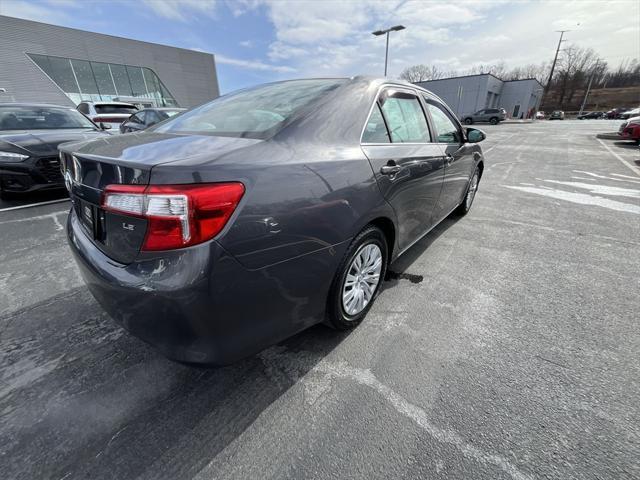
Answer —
265 211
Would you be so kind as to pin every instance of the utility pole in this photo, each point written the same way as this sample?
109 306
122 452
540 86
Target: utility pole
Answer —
553 65
586 95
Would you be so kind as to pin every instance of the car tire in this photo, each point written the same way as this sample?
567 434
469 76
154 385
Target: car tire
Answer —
469 195
468 121
370 241
493 120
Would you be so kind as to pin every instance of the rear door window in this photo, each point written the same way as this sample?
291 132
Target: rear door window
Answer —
405 118
375 130
107 108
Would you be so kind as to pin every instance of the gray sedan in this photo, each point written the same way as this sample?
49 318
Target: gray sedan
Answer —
268 210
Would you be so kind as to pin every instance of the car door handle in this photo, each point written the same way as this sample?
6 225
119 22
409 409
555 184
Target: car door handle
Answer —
390 169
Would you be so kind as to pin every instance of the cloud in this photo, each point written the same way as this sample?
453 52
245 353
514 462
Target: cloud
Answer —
334 36
40 12
253 64
182 10
246 44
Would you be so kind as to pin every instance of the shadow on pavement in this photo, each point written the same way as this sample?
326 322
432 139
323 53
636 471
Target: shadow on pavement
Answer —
18 200
398 270
83 398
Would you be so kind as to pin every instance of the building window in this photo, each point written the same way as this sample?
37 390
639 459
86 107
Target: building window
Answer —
82 80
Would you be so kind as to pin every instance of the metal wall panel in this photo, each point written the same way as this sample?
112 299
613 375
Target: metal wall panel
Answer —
190 76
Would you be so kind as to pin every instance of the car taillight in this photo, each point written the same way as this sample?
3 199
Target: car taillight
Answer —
177 215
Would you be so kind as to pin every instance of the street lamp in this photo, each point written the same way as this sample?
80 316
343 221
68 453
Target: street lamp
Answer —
377 33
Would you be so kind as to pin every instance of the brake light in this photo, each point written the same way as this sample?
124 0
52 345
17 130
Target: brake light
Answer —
177 215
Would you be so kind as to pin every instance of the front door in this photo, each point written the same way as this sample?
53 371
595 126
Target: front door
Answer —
459 161
406 164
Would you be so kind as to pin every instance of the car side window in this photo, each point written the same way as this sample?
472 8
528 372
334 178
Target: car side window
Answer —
405 118
137 118
376 130
152 117
446 129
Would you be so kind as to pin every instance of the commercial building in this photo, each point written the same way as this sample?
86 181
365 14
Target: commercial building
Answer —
470 93
64 66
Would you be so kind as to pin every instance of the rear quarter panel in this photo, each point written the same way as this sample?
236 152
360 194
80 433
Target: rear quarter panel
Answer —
300 198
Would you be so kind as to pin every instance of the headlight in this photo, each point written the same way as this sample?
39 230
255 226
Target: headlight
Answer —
12 157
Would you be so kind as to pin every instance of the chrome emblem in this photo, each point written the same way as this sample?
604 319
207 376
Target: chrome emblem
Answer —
68 180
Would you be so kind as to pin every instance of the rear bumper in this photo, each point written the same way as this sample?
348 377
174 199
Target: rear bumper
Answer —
630 133
199 304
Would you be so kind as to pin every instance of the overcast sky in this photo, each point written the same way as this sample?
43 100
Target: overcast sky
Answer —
262 40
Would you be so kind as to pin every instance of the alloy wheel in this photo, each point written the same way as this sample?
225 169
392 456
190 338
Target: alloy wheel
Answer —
471 193
363 277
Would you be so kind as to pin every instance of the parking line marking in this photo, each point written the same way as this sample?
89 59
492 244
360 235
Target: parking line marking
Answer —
19 207
498 143
631 167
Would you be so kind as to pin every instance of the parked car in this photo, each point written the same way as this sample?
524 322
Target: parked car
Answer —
254 216
629 113
491 115
108 115
615 113
590 115
148 117
557 115
630 130
540 115
29 139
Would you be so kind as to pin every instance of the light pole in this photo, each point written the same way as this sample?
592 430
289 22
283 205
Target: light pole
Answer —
377 33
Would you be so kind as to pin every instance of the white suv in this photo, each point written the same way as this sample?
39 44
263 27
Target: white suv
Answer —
109 114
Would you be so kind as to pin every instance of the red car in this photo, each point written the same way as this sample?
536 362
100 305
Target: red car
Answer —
630 130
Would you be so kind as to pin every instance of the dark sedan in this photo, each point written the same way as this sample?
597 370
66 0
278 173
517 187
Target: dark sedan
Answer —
147 118
265 211
591 115
29 139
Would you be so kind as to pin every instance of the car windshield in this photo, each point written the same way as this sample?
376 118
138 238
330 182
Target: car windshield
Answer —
115 108
171 113
252 113
16 117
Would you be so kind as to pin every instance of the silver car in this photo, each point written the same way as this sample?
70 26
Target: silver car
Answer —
486 115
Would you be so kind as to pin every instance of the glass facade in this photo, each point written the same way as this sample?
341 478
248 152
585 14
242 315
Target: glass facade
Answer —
82 80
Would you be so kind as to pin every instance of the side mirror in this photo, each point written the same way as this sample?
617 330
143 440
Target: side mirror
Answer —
105 126
474 135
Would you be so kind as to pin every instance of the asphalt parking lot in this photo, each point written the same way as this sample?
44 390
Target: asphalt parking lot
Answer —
504 345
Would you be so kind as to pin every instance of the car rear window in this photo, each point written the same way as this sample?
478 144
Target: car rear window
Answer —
16 117
257 112
103 109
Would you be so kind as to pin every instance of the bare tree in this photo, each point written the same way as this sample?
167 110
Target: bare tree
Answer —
575 67
423 73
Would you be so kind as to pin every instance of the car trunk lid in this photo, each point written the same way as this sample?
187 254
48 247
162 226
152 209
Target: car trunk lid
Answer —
89 167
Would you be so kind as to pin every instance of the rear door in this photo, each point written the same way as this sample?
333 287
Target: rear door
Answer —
406 164
459 161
